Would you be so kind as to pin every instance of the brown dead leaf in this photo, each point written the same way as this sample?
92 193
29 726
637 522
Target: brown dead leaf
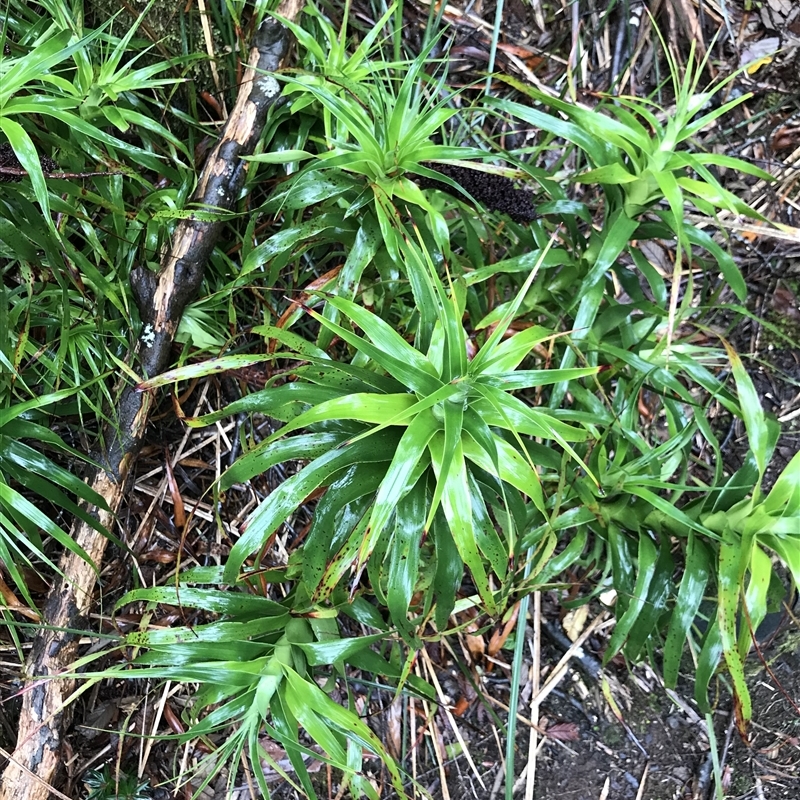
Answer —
785 303
475 641
305 297
784 139
727 778
771 751
683 15
172 719
394 729
159 555
476 646
12 603
460 708
277 760
563 731
179 513
499 637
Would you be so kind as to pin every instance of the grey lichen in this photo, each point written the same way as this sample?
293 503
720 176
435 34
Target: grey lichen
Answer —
269 86
148 336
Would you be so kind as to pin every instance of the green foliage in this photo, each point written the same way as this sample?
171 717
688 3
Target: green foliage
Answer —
378 132
23 437
66 262
396 430
65 253
638 152
259 667
642 161
429 386
641 158
434 461
30 89
102 785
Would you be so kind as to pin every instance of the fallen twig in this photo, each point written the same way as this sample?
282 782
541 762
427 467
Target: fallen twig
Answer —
161 299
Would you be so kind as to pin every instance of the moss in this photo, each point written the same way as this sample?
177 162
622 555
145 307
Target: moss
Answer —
613 735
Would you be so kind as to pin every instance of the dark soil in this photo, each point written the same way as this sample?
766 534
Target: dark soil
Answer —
659 749
769 765
675 760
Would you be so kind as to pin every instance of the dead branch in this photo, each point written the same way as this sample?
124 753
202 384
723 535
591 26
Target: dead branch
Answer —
161 299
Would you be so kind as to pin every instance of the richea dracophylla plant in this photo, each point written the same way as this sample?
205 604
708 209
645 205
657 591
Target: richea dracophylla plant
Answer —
428 456
378 138
259 667
427 460
729 535
642 158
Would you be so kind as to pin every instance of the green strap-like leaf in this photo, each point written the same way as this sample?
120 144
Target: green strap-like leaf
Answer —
620 228
755 423
268 454
596 148
369 407
734 554
403 557
453 416
311 705
324 653
645 568
514 467
528 378
283 501
657 594
387 347
410 452
784 497
212 600
215 632
707 662
353 552
755 598
287 733
289 238
457 508
509 353
696 571
504 410
348 497
489 542
22 509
